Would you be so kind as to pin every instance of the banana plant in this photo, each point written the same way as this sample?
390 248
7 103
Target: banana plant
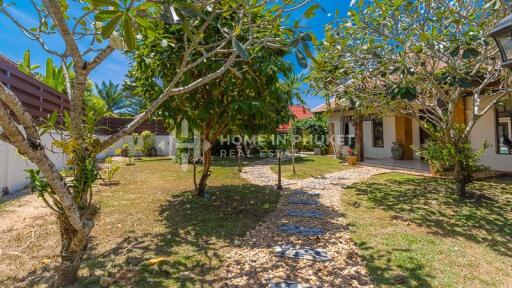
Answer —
26 66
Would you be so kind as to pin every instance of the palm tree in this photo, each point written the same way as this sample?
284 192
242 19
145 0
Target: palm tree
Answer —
113 96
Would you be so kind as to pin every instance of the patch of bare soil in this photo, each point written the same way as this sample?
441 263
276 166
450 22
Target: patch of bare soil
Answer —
27 241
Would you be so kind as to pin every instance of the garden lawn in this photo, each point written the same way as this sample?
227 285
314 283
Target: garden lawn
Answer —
413 232
310 166
152 231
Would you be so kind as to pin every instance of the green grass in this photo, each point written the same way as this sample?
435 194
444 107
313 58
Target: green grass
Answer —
413 232
310 166
153 213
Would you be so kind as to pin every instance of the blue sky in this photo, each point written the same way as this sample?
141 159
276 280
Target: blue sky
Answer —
14 43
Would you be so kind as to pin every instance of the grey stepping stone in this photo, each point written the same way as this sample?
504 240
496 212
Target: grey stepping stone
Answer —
302 201
305 213
303 231
305 194
295 252
289 284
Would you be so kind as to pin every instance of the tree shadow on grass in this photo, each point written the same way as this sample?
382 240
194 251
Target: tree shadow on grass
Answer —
232 161
379 266
191 244
429 202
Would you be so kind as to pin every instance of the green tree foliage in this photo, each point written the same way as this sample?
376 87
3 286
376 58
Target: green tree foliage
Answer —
418 59
313 131
250 98
86 36
112 95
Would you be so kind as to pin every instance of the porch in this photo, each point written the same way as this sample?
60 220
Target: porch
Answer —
391 164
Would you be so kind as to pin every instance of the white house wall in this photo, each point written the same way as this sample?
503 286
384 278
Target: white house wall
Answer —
389 138
485 129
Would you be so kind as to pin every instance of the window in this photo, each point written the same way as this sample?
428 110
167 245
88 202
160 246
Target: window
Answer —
504 125
378 132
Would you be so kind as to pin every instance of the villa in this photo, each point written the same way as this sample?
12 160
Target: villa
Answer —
379 134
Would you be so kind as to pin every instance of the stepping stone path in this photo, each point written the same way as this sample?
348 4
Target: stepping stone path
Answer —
289 284
302 201
305 194
277 255
305 213
303 231
295 252
291 251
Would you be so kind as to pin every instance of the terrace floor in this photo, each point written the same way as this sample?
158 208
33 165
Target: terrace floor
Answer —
391 164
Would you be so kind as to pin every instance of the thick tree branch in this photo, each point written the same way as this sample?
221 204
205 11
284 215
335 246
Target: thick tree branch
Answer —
170 91
13 103
107 51
53 7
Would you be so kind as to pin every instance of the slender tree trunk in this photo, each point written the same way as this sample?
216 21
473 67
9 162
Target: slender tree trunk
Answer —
292 140
73 247
195 173
359 138
207 162
462 179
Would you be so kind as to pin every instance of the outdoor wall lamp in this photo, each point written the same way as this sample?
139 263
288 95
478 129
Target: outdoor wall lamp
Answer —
502 34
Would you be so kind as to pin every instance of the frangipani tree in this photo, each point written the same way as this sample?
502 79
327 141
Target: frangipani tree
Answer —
419 59
91 32
249 98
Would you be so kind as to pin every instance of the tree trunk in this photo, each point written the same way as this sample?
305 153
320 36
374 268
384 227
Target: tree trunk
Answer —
359 139
195 173
207 161
73 247
461 180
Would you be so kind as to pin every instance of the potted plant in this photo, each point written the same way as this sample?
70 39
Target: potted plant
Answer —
397 151
351 157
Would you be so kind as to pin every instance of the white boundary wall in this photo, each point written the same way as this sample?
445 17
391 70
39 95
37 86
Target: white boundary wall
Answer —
165 145
12 165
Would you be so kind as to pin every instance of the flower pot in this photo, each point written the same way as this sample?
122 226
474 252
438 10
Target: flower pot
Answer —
352 160
397 151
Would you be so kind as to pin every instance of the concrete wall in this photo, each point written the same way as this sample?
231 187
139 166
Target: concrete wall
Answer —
165 145
389 138
12 165
485 129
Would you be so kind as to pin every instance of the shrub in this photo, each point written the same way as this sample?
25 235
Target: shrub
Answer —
445 156
148 142
111 169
